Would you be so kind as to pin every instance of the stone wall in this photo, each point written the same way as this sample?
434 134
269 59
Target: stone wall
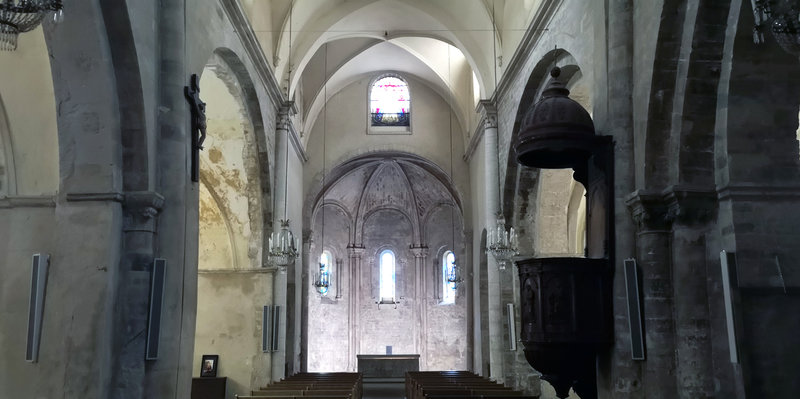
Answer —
229 324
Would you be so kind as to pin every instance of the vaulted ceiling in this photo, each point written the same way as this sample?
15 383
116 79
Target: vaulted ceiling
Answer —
321 46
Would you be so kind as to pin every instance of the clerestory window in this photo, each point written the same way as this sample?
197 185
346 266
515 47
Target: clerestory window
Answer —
448 271
387 276
390 102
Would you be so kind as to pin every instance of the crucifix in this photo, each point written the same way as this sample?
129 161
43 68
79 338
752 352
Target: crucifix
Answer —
198 130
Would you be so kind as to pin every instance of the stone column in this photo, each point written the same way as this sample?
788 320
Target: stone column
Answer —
692 210
654 255
177 239
420 253
139 226
618 376
492 195
356 254
279 288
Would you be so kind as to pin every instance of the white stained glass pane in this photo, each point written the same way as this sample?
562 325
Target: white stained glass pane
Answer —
389 96
387 275
449 289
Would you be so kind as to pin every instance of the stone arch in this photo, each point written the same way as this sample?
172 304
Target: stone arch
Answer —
240 136
253 107
522 186
356 162
334 210
138 172
681 113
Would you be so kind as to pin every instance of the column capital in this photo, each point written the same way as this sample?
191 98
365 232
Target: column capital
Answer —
658 210
649 211
285 113
419 251
488 112
140 210
355 250
691 205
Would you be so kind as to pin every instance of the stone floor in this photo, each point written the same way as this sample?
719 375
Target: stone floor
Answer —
384 388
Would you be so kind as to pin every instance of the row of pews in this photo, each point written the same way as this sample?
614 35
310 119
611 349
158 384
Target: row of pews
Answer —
456 384
315 385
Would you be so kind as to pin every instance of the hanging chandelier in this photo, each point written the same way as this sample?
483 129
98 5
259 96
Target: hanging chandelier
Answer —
322 280
783 19
283 246
18 16
500 243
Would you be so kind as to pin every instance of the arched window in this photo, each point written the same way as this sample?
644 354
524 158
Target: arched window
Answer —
390 102
387 276
448 288
325 270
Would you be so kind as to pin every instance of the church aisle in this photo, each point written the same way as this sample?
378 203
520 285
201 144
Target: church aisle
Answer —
383 388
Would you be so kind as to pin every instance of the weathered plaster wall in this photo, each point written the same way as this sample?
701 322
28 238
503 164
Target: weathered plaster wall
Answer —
229 324
229 173
28 103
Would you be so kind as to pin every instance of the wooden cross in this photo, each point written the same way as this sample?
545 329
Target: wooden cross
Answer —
198 132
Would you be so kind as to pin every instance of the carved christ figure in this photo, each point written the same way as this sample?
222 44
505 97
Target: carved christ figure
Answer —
198 130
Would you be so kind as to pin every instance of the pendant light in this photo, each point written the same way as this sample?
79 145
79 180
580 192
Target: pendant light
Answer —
501 244
283 245
453 271
322 279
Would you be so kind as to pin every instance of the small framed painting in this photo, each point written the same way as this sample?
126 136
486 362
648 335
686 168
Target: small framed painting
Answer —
208 366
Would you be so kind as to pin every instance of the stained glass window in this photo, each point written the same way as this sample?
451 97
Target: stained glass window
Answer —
387 276
449 289
390 102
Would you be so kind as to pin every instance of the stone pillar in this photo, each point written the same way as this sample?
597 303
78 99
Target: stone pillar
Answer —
177 239
692 210
492 195
654 255
279 288
139 227
618 376
420 253
356 254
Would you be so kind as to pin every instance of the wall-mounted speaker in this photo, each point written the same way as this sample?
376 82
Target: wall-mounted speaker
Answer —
266 329
634 309
41 263
512 327
276 323
157 277
730 294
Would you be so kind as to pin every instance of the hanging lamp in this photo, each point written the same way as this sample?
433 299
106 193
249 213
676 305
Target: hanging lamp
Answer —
18 16
322 279
501 244
283 245
453 271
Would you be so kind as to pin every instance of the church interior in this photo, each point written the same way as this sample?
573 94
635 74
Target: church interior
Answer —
551 198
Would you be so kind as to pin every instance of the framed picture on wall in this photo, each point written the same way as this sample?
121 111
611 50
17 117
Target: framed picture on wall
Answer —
208 366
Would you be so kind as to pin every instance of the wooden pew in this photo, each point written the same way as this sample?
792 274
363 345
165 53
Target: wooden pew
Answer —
455 384
314 385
